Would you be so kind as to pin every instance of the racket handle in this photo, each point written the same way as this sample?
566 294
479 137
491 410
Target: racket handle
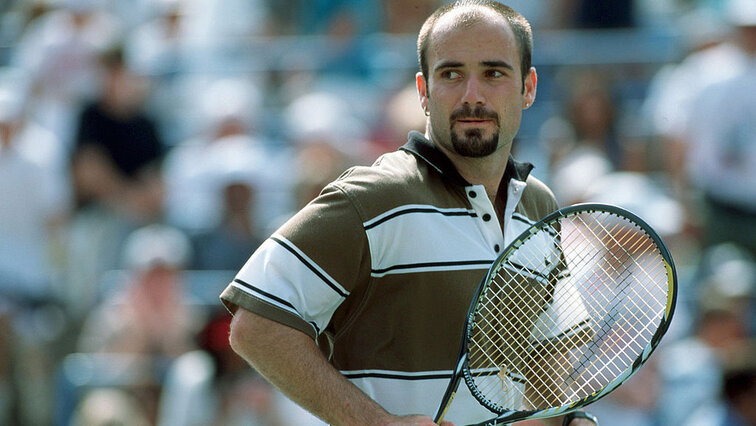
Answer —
451 390
441 413
579 415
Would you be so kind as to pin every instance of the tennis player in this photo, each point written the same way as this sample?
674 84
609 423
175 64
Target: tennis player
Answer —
354 308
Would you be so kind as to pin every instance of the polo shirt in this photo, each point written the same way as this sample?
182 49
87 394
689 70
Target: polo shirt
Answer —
381 267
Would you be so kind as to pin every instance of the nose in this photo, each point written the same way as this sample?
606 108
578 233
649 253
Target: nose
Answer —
473 94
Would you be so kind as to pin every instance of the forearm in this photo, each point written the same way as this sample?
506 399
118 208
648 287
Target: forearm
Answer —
291 361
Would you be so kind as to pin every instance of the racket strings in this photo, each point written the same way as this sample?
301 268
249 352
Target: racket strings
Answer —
517 358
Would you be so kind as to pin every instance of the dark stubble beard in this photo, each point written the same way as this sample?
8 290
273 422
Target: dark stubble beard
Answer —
472 144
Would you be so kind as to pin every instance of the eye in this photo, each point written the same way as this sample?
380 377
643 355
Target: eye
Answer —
450 75
494 73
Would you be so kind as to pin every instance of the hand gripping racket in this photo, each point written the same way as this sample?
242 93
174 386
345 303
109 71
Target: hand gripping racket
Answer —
568 312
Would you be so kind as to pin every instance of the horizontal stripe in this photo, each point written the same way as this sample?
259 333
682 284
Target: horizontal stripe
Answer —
235 295
402 375
486 372
409 209
310 265
396 375
264 293
431 266
428 242
411 394
271 297
522 270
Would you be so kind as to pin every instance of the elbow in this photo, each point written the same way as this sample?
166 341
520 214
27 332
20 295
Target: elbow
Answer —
233 337
239 333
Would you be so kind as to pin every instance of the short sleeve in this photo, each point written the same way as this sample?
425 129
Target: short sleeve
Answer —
306 269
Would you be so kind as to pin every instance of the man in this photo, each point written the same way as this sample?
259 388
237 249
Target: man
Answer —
379 270
721 143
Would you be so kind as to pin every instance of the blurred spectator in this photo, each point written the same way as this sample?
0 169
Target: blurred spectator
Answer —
406 16
345 55
723 306
739 388
602 14
229 244
221 27
118 153
143 322
150 315
327 138
213 385
721 158
32 212
633 403
59 51
158 46
228 147
109 407
117 178
320 16
34 201
711 56
640 194
583 142
15 18
400 114
737 404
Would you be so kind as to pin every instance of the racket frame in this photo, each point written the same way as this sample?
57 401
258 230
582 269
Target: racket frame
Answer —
461 368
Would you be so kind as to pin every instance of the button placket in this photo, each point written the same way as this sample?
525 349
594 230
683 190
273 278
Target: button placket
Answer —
484 208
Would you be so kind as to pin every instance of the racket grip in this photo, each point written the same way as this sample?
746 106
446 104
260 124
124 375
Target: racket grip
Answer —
451 390
579 415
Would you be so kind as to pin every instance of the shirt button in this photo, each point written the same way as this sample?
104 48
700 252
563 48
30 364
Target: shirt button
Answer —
486 217
473 194
496 248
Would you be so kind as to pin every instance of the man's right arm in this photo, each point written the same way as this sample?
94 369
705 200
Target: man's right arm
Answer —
291 361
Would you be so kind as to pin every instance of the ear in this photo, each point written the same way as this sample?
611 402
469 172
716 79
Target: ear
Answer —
422 90
529 93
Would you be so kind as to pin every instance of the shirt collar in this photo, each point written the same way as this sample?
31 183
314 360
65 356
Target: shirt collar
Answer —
426 150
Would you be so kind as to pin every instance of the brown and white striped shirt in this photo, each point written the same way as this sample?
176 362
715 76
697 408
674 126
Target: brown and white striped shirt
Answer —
381 267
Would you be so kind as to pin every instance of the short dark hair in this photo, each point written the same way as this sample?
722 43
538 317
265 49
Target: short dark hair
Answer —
520 26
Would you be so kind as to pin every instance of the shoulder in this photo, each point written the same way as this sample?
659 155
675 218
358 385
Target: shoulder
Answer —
394 168
395 179
538 199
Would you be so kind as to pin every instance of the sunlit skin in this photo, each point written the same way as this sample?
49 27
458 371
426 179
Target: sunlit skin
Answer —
475 95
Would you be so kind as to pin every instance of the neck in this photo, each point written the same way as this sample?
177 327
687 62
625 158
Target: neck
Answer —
487 171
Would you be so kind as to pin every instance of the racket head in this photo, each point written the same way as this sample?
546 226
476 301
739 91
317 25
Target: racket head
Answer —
585 294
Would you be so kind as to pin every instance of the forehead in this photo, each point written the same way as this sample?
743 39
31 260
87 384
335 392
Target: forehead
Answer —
470 36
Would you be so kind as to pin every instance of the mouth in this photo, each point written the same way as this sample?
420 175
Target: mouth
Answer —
466 116
472 121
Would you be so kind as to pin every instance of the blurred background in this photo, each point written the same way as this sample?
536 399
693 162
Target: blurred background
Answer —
148 146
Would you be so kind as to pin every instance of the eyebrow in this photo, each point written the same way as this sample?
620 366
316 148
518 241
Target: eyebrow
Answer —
498 64
488 63
447 64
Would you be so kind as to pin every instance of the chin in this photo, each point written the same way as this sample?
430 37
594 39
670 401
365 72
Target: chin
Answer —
473 144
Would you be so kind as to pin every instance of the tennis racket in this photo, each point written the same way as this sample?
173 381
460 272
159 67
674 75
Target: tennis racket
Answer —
567 313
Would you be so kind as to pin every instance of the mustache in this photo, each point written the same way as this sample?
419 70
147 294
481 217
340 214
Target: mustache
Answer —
478 113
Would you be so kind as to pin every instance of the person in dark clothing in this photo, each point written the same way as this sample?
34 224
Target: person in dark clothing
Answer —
118 148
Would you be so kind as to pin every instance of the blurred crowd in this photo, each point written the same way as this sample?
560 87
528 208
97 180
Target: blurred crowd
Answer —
147 147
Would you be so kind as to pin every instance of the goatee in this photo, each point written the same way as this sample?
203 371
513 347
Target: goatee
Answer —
472 144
